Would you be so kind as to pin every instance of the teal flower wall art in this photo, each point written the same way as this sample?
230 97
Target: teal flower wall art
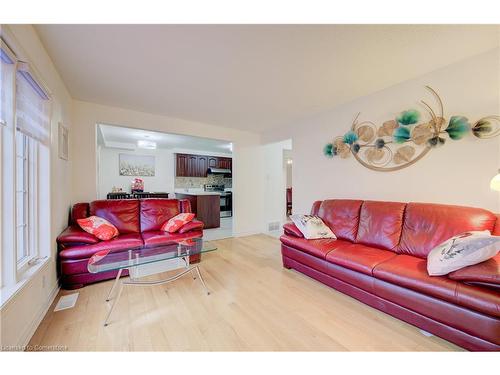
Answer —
402 141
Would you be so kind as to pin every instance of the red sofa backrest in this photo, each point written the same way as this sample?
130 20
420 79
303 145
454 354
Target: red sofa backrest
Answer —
427 225
132 215
342 216
405 228
79 211
155 212
380 224
122 213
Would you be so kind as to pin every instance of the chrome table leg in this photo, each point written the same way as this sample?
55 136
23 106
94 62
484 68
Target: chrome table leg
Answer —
201 279
114 285
115 302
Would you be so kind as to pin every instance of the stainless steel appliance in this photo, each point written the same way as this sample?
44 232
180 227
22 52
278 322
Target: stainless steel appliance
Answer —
226 199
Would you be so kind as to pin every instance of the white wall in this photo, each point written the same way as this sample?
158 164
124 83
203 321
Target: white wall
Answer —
162 181
458 173
22 313
274 182
247 162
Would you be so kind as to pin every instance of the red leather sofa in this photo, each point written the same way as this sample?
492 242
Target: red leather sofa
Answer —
379 258
139 223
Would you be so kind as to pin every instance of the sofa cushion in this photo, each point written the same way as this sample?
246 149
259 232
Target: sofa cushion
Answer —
318 248
411 272
99 227
76 235
156 212
466 249
122 213
485 272
177 222
158 237
359 257
380 224
427 225
342 216
121 243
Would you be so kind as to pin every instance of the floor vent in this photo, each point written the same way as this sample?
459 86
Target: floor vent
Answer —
66 302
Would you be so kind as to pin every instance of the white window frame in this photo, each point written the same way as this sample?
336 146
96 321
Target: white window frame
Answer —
14 274
30 202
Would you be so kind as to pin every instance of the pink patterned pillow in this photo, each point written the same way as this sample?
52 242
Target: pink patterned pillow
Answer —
176 223
99 227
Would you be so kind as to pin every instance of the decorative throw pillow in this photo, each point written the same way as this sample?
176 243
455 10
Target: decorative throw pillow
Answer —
99 227
463 250
312 227
174 224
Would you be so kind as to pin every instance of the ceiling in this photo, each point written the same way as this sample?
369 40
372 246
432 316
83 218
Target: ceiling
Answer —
121 137
251 77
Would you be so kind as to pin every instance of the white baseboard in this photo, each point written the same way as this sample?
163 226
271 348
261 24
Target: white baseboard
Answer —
244 234
31 329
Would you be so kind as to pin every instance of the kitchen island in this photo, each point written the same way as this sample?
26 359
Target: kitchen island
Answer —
205 205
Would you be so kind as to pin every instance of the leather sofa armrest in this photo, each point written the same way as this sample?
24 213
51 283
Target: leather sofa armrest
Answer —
192 225
75 235
292 230
484 273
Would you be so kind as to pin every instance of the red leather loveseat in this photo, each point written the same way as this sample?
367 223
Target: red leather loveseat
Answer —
139 223
379 258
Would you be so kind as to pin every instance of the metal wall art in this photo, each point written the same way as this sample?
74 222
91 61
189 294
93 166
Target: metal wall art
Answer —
401 142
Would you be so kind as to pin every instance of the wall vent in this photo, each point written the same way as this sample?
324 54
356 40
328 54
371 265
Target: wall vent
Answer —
273 226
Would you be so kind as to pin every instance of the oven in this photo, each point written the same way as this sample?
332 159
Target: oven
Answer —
226 204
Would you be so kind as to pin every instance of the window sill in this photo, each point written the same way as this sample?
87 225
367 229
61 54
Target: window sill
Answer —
7 292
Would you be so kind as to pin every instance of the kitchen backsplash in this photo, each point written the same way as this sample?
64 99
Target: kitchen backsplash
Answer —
198 182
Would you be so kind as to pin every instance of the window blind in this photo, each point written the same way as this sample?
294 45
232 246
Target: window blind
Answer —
7 71
32 105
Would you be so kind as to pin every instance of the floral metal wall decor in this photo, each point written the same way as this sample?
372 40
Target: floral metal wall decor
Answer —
401 142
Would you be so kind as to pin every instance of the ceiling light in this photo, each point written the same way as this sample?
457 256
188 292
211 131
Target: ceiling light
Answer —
146 144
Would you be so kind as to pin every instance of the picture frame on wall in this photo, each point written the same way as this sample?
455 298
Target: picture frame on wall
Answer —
63 141
136 165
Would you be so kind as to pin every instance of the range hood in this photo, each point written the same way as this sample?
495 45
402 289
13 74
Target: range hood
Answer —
225 172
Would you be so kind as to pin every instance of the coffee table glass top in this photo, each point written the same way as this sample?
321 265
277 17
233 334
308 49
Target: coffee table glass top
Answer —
106 260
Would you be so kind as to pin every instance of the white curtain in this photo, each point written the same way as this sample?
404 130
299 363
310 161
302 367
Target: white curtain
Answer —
32 106
7 71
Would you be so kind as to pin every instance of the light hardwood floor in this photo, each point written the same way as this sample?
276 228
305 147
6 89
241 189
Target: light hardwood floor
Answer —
255 305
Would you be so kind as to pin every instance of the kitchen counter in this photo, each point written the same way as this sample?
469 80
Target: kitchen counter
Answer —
204 204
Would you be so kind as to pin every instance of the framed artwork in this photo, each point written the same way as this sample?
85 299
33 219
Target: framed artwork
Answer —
136 165
63 141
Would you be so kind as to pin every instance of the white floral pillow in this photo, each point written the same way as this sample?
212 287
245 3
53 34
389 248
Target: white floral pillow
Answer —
463 250
312 227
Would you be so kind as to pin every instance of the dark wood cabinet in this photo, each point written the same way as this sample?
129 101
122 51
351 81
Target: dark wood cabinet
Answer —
192 166
202 166
187 165
212 162
224 163
181 165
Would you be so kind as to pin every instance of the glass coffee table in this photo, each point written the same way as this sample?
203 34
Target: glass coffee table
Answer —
146 261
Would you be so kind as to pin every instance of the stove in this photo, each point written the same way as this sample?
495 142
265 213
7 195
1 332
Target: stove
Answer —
213 187
226 199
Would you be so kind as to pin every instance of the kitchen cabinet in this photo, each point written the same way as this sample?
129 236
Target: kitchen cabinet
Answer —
181 165
212 162
188 165
205 207
202 166
224 163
